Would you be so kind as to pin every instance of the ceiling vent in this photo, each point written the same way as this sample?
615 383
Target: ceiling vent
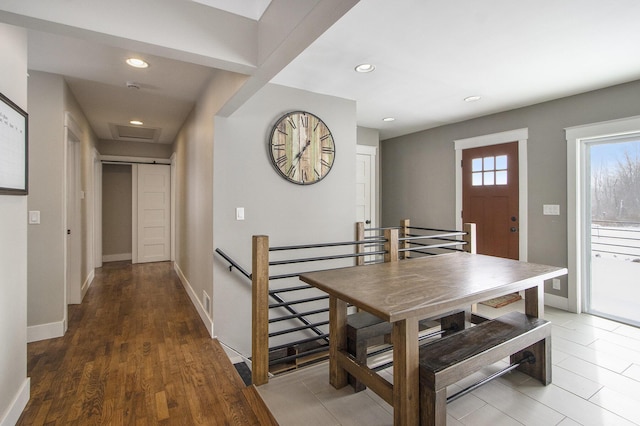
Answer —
134 133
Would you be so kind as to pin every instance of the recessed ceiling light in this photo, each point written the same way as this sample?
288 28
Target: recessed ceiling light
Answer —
137 63
136 122
365 68
472 98
388 119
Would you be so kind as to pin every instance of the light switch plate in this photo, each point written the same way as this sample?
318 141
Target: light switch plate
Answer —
551 210
34 217
239 213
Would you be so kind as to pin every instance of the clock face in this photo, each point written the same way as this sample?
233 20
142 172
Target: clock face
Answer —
301 148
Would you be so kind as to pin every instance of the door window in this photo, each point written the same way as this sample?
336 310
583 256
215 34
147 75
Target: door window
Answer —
487 171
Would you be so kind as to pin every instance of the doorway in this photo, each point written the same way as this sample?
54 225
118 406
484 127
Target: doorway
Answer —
366 192
612 228
490 197
116 212
72 240
136 212
519 138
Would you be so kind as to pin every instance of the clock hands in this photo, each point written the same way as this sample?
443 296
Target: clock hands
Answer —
298 157
302 150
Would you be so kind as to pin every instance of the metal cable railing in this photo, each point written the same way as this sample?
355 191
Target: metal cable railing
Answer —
292 315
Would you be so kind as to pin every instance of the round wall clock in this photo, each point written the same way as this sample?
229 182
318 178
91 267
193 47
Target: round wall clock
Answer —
301 148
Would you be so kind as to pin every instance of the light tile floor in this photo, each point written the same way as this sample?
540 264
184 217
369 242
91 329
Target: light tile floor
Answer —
596 381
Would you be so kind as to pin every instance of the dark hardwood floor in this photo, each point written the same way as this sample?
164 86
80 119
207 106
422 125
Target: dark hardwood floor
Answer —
137 353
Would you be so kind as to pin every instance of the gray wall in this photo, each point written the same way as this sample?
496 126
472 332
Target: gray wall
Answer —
14 384
47 177
418 170
287 213
194 190
116 211
50 99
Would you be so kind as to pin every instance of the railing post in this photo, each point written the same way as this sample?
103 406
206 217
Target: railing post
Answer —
404 232
470 237
260 310
391 245
470 247
359 247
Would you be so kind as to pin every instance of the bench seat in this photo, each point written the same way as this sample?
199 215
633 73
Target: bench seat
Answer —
452 358
365 330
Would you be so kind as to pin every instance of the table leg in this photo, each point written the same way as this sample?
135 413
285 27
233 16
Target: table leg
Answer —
541 369
337 340
534 301
406 373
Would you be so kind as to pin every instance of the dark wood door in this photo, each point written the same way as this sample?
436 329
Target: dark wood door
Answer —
490 197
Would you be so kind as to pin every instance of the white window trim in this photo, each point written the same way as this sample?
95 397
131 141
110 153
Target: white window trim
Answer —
519 135
577 137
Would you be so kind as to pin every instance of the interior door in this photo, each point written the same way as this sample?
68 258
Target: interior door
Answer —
364 205
490 197
73 253
365 189
154 211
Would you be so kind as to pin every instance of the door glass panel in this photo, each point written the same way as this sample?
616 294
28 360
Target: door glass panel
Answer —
488 163
476 165
488 178
501 162
614 230
501 177
477 179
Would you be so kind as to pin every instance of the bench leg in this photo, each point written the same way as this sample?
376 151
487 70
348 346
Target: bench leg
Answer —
541 369
433 407
359 350
453 323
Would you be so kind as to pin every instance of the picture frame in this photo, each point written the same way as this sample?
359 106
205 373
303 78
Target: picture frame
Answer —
14 143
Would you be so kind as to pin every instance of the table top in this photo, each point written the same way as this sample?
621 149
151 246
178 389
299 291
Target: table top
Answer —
429 286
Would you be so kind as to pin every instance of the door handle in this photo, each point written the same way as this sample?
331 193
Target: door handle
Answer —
513 229
368 222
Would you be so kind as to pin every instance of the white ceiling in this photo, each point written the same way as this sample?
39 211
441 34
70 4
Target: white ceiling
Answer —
429 55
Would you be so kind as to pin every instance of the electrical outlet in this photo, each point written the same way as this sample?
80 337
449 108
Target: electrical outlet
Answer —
206 301
555 283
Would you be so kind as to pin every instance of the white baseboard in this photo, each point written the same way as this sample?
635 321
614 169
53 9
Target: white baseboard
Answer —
87 283
556 301
116 257
17 405
204 316
45 331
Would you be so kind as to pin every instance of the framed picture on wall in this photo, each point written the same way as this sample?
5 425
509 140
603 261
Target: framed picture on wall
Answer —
13 148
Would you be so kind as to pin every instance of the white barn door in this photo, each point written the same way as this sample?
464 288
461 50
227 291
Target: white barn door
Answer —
154 213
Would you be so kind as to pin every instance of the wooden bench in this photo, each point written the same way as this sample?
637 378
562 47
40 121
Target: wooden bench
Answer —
365 330
526 340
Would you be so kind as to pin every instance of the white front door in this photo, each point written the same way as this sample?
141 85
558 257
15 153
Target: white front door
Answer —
154 213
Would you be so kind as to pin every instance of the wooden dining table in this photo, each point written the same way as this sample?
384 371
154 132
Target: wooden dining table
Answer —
404 292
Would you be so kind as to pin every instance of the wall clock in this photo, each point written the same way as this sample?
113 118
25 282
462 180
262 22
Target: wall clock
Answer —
301 148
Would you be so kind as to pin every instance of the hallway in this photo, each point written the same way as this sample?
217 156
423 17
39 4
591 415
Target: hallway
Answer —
136 352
